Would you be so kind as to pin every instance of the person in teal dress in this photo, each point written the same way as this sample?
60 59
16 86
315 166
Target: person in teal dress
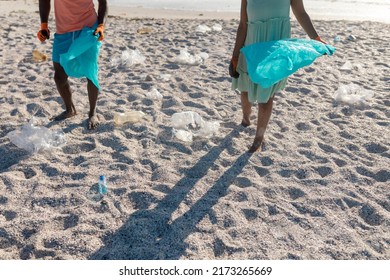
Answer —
262 21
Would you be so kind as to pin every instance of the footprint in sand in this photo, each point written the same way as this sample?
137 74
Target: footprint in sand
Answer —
370 215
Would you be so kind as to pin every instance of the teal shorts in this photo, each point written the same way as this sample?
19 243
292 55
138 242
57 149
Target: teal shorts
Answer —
62 43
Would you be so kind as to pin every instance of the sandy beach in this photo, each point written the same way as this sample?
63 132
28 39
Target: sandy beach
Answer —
319 189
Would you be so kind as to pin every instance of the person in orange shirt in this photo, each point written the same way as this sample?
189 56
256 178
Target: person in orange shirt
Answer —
71 17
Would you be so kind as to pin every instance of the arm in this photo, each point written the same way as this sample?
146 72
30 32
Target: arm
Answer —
44 10
102 11
303 18
241 31
240 40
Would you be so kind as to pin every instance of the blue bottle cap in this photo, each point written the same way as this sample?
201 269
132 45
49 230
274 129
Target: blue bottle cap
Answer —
101 177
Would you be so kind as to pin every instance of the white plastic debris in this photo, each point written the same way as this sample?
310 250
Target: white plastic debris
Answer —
183 135
154 94
351 37
188 59
353 94
203 28
217 27
337 39
189 122
34 139
165 77
347 66
204 55
129 58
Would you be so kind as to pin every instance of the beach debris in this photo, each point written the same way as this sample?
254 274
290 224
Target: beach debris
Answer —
217 27
129 58
353 94
128 117
165 77
351 38
34 138
203 28
144 30
154 94
347 66
189 124
337 39
188 59
102 185
38 56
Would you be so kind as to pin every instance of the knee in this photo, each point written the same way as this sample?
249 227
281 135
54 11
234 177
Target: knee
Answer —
60 79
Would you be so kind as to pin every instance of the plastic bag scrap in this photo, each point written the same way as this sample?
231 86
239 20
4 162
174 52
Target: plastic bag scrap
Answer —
353 94
154 94
81 60
34 139
270 62
203 28
188 124
129 58
188 59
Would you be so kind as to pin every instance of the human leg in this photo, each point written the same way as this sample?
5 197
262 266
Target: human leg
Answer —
263 117
246 109
62 83
93 93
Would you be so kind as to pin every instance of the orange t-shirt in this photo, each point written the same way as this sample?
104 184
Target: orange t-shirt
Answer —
72 15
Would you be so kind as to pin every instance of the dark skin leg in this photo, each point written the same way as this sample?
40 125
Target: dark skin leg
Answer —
93 93
246 107
264 115
61 80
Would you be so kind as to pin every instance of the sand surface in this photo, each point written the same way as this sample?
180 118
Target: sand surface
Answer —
319 189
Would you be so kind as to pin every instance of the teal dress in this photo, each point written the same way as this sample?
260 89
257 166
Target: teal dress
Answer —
268 20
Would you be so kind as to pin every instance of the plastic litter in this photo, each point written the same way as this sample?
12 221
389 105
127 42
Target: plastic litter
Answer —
102 185
81 60
337 39
154 94
128 117
270 62
353 94
190 124
38 56
165 77
129 58
188 59
217 27
203 28
351 38
347 66
183 135
34 139
144 30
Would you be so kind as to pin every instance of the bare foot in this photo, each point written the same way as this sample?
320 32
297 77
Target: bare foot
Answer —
256 144
245 123
64 115
93 122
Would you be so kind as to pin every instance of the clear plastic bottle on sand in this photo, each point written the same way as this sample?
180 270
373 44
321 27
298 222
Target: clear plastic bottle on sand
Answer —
102 185
128 117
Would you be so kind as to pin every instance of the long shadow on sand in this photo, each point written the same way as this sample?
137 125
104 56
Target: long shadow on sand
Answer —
150 235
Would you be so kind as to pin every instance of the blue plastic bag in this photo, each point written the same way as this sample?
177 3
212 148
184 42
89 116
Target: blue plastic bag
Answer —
81 60
271 62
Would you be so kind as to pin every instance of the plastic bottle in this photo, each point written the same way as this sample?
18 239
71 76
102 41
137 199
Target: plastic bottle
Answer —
128 117
102 185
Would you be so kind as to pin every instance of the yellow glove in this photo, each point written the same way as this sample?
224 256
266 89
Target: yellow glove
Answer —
100 30
44 33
